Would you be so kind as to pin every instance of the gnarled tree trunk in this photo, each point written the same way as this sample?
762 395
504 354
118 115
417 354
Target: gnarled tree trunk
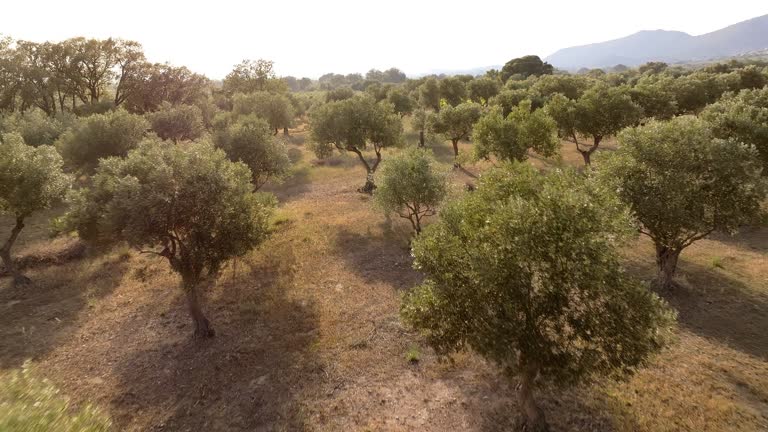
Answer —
587 154
666 262
533 416
203 328
5 253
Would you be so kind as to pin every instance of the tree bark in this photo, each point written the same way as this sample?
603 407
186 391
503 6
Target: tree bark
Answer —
533 416
666 262
5 253
587 154
421 138
203 328
285 131
455 143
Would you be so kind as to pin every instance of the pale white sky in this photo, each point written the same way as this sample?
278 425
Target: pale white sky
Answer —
309 38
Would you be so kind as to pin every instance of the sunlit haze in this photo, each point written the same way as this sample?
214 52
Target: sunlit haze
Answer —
309 38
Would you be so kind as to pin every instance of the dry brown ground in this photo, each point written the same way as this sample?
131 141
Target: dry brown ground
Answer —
308 335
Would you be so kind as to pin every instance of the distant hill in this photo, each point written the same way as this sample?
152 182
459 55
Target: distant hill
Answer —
667 46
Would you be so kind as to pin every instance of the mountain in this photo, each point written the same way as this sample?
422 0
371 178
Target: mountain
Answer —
667 46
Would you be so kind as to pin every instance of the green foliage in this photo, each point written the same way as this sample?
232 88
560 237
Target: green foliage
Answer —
400 100
275 108
653 93
429 94
570 86
177 123
100 136
31 178
742 117
250 140
682 183
29 403
526 272
530 65
36 127
456 122
453 90
251 76
188 199
693 92
603 111
509 99
423 120
410 186
338 94
481 90
509 138
353 125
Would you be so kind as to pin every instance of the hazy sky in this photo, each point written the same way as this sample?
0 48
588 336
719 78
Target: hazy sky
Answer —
309 38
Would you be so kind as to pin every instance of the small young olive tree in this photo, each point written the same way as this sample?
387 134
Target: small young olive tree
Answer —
526 272
352 125
509 138
411 186
99 136
682 184
188 204
177 123
456 122
31 179
249 140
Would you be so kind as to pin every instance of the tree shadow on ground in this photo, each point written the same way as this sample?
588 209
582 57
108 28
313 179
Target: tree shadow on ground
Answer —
493 403
378 257
717 306
293 187
253 375
749 238
35 318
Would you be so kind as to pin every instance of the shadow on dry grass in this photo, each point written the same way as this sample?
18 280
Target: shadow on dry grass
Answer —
33 319
378 258
253 375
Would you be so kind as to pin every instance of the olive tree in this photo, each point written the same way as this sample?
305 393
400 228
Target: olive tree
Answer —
682 184
601 112
177 123
31 179
429 94
401 101
452 90
249 140
423 121
275 108
411 186
481 90
742 117
99 136
509 138
188 204
352 125
456 122
526 272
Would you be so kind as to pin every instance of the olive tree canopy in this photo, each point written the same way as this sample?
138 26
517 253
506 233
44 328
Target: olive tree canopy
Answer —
525 271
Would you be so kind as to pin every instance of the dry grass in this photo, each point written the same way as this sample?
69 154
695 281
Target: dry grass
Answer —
309 336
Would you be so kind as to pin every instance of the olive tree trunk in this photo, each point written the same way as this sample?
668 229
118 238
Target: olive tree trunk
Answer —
421 138
455 142
666 262
5 253
533 416
203 328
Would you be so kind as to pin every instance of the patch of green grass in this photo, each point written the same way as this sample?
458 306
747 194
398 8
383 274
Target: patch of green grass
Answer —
413 355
